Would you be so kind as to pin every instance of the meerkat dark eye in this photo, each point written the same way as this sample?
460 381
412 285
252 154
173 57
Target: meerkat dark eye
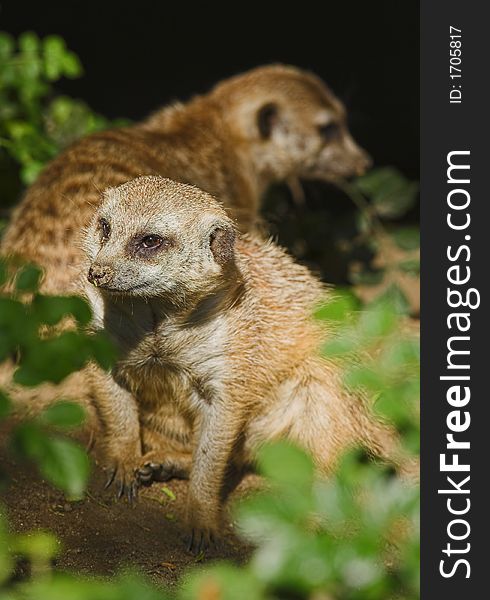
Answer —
146 245
151 242
105 229
329 132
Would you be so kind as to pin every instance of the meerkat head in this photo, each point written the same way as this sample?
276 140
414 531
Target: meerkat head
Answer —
292 124
153 237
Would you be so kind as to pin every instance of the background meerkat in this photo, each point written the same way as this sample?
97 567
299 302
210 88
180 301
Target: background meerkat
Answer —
217 326
266 125
269 124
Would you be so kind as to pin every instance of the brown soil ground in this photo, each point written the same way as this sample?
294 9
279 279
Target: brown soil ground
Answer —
101 535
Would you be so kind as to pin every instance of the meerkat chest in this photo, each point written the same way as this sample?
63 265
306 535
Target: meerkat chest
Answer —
179 365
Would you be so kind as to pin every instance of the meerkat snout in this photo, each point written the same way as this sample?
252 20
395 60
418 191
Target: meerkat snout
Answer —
362 163
100 275
366 162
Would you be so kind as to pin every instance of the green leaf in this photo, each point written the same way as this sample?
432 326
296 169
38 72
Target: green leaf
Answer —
285 464
377 320
392 406
29 42
53 359
407 238
410 266
63 414
30 172
12 312
391 193
3 272
339 308
72 67
103 350
5 346
28 278
6 46
64 586
368 277
54 51
66 465
364 377
52 309
342 344
5 405
6 561
38 546
62 462
17 328
168 492
223 582
393 299
402 353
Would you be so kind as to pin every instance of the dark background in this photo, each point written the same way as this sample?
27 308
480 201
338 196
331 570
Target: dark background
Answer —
142 55
138 56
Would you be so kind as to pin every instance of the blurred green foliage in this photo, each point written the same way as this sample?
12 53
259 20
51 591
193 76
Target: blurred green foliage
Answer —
33 338
383 198
353 537
380 355
35 124
361 232
28 321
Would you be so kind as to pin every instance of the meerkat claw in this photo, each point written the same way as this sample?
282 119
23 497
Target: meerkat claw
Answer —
129 490
90 443
110 479
132 493
200 541
197 542
122 487
190 541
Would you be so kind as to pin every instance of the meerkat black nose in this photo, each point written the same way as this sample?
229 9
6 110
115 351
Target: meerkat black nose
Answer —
100 274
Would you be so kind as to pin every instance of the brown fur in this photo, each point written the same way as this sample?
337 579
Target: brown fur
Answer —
221 355
216 141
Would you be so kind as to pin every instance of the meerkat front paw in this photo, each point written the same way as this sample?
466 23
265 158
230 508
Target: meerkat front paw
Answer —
125 475
124 480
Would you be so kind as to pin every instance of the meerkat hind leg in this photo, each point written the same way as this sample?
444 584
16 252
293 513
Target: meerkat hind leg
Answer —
314 410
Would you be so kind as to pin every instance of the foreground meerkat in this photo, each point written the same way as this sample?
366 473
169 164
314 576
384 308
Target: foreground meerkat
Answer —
270 124
213 328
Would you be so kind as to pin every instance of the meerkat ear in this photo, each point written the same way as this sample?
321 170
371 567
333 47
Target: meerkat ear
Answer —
222 243
267 118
